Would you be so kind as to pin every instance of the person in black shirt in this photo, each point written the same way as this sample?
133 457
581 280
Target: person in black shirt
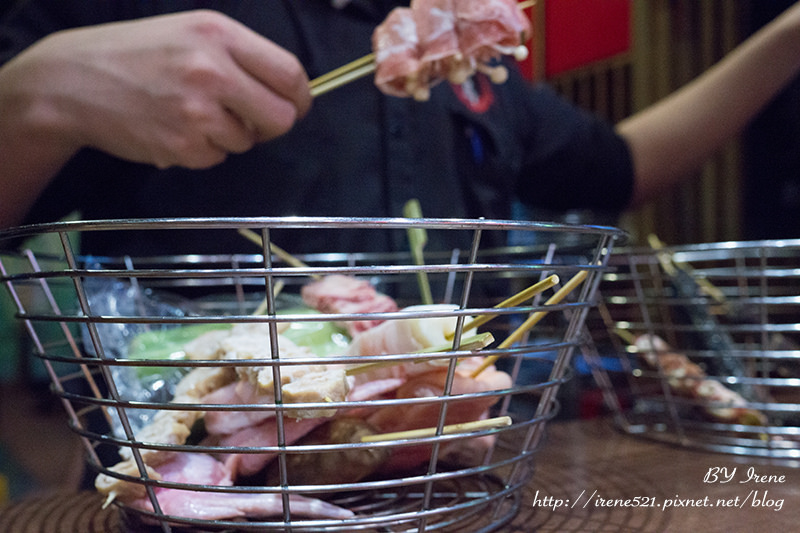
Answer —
133 109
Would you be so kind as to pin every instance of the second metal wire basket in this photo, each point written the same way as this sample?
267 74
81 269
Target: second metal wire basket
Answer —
704 345
114 335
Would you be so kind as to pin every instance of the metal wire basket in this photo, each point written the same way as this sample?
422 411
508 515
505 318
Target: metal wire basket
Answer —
89 318
703 345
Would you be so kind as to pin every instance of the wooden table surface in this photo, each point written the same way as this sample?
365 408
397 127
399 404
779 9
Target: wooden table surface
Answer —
589 478
600 471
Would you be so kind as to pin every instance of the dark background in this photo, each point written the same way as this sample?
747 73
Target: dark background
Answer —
771 153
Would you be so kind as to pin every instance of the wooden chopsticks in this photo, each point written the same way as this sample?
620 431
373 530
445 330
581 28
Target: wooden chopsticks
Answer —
343 75
359 68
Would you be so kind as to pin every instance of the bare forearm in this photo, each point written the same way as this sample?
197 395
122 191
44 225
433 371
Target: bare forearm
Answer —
33 144
23 176
675 136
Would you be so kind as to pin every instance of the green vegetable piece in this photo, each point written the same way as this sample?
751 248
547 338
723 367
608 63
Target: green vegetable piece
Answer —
166 344
322 338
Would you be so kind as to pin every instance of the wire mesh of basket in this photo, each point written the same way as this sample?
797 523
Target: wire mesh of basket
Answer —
210 396
703 345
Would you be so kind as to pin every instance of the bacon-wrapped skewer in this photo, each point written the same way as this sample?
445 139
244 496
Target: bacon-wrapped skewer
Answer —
441 54
436 40
347 295
432 384
687 379
397 55
488 29
202 470
337 293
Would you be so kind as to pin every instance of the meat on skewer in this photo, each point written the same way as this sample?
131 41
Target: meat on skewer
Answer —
441 55
347 295
202 469
432 384
488 29
436 40
687 379
397 55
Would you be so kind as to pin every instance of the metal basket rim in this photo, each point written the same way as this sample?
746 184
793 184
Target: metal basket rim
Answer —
297 222
710 246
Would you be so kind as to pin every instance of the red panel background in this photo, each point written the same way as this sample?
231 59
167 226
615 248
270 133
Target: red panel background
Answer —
580 32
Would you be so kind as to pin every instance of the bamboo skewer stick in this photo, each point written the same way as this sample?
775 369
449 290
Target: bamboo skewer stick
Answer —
275 249
471 344
359 68
262 307
280 252
283 254
671 267
533 319
368 59
518 298
625 335
555 299
347 73
466 427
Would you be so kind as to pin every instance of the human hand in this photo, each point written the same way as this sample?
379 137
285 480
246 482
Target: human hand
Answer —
184 89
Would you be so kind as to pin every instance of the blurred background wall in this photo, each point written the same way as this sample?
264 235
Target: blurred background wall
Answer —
751 188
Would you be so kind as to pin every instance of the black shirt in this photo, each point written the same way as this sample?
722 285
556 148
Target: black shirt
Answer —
469 152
